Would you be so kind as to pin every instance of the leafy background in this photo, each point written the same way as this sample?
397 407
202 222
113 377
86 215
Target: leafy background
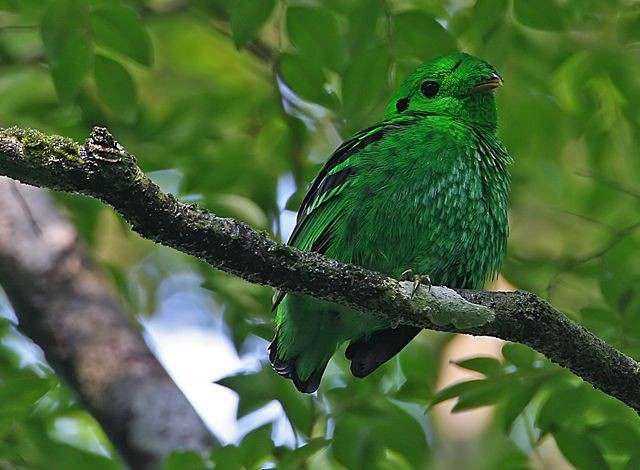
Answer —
236 104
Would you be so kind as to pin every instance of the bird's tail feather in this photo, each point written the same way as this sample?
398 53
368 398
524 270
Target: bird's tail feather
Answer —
367 354
287 369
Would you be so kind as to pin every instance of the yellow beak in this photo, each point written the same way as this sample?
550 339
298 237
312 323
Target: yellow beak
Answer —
487 85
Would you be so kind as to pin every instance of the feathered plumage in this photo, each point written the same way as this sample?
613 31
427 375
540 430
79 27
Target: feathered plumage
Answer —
425 189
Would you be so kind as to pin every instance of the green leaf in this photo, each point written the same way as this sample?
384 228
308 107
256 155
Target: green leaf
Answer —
515 402
61 23
247 17
364 434
417 36
483 393
304 76
116 88
487 15
71 67
619 279
633 463
519 355
353 444
364 83
363 21
179 460
454 391
564 407
256 390
225 457
475 393
64 30
117 28
297 407
251 389
252 451
420 362
24 389
617 437
580 449
314 31
414 392
297 457
628 27
488 366
256 446
541 14
420 365
411 443
65 457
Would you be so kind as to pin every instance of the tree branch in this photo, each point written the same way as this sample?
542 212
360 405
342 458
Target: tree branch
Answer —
66 307
101 168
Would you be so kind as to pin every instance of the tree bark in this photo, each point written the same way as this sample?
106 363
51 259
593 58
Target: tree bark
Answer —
101 168
64 305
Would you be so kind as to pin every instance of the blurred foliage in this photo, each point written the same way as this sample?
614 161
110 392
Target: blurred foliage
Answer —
41 425
226 99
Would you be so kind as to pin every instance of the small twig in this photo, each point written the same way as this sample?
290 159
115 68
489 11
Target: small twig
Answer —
17 27
609 182
599 252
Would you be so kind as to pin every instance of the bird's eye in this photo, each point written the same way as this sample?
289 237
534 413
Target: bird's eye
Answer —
402 104
430 89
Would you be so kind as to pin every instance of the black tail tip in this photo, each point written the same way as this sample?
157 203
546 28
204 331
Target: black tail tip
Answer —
364 357
287 369
369 353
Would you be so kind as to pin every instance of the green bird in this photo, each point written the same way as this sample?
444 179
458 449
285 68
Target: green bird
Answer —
425 189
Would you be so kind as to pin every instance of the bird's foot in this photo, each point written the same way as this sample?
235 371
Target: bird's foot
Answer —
418 279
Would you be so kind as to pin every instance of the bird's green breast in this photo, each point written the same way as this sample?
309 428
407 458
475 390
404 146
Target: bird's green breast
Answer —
432 197
429 195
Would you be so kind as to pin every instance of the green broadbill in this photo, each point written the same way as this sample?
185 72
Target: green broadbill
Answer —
425 189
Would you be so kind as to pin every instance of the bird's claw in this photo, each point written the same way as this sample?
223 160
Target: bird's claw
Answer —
418 279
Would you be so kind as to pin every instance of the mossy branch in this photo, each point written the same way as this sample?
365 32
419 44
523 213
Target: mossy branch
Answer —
101 168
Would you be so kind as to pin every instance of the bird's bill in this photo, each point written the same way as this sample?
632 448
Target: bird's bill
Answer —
487 85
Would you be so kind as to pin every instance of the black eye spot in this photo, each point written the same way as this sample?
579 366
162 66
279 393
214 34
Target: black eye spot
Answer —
430 89
402 104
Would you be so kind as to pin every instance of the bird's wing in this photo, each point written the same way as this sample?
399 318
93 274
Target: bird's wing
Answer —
321 209
336 175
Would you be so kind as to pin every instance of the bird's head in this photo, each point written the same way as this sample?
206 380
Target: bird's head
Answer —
457 85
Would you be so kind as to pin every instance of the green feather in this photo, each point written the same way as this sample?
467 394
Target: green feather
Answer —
424 189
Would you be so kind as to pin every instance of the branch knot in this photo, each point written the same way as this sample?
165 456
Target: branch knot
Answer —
102 146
